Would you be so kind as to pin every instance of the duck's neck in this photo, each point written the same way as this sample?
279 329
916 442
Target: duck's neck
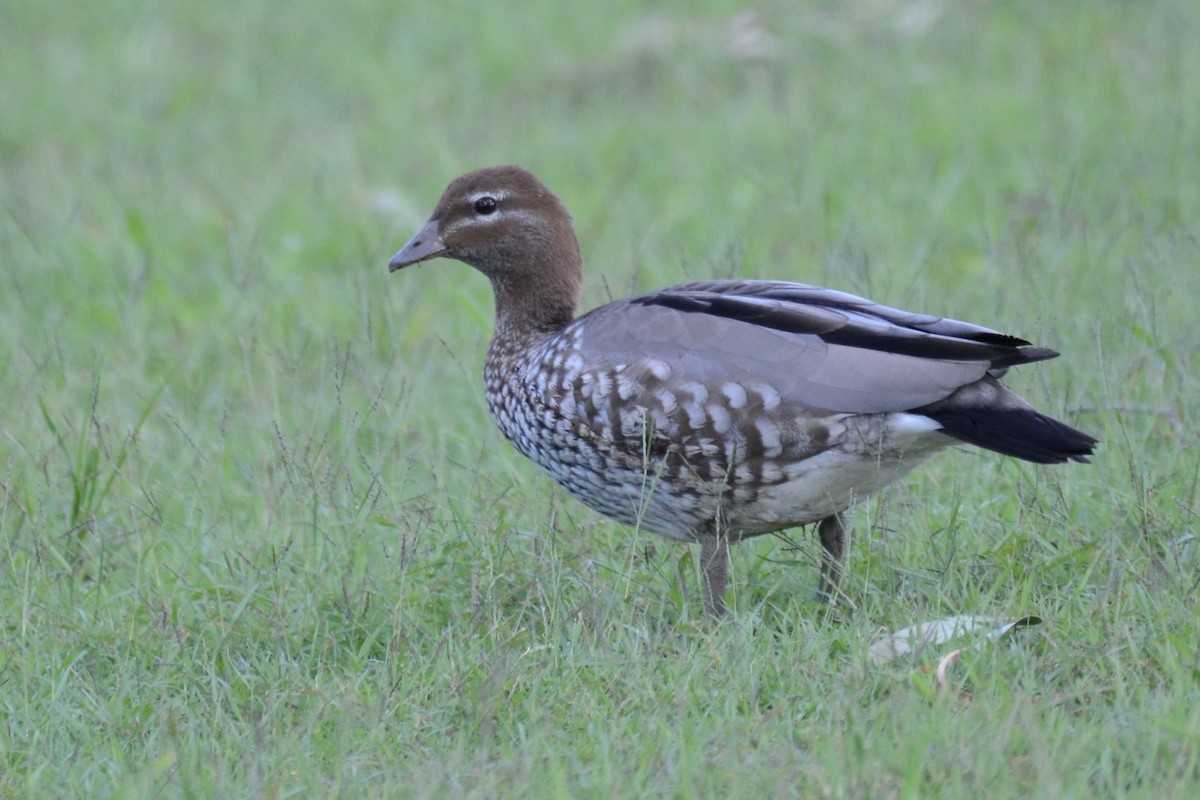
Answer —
538 298
526 318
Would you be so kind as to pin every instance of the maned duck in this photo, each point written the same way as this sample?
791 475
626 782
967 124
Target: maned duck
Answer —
714 411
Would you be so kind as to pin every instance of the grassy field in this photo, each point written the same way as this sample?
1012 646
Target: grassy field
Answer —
259 537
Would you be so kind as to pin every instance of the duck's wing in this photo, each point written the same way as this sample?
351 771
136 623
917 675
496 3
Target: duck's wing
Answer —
817 347
846 319
812 352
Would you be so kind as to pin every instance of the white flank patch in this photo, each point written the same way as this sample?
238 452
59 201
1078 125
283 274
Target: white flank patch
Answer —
769 432
658 368
604 384
769 395
771 473
698 391
668 400
721 420
914 425
695 414
632 421
735 394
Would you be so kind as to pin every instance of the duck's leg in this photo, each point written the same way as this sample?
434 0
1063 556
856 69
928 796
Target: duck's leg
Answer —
714 558
832 531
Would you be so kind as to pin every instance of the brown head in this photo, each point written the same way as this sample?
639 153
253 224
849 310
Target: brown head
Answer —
504 222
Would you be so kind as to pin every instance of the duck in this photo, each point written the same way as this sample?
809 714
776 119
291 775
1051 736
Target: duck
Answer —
715 411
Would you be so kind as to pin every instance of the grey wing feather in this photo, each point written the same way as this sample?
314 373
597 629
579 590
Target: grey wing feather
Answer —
817 347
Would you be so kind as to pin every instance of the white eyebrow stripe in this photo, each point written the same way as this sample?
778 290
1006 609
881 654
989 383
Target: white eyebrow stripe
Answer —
491 219
498 195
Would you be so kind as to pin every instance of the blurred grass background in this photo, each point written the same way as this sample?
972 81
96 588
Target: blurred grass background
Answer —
260 537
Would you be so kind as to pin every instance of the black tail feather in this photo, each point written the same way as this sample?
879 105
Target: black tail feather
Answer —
1017 432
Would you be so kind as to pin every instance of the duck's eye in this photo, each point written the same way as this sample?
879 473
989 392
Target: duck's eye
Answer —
485 205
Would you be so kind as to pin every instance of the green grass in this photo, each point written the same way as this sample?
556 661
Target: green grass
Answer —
260 537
